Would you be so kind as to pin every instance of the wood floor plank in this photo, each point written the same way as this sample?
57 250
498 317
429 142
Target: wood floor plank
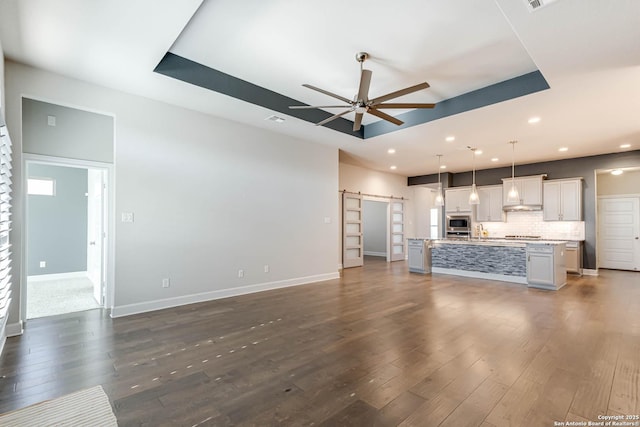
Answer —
377 347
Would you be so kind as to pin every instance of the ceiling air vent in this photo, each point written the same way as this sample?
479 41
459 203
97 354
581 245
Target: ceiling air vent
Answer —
537 4
275 119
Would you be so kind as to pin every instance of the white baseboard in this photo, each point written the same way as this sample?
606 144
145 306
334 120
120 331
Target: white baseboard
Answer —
14 329
590 272
57 276
371 253
144 307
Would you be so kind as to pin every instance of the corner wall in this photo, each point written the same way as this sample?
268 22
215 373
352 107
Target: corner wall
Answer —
209 197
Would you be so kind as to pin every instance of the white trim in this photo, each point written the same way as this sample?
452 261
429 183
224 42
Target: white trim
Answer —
590 272
110 226
478 275
372 253
56 276
14 329
340 267
144 307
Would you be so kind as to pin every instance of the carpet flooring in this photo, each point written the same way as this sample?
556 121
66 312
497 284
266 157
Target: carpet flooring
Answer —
51 297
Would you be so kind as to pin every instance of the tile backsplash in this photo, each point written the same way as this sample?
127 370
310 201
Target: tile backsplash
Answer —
531 224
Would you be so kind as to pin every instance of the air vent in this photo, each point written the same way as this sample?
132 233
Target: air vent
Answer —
537 4
275 119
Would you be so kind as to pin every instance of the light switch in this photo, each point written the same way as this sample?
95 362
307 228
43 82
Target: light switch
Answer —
51 120
127 216
327 220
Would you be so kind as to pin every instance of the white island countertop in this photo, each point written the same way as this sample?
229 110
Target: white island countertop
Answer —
499 242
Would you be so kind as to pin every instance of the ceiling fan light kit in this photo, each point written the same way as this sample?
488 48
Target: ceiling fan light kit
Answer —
361 103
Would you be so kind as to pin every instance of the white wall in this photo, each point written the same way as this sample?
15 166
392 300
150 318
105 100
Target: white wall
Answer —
615 185
424 201
356 178
209 197
374 227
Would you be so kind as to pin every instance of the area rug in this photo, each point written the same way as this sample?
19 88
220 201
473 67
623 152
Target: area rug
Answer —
88 407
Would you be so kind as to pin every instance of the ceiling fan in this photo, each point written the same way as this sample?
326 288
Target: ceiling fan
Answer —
362 104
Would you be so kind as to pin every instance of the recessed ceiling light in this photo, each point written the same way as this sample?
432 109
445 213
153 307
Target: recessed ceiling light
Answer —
625 146
478 152
495 159
391 150
443 166
275 119
616 172
393 168
563 149
533 120
450 138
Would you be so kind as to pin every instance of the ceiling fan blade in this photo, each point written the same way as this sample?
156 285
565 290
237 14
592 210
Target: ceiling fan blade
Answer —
403 105
384 116
400 92
333 117
317 89
365 82
357 122
307 107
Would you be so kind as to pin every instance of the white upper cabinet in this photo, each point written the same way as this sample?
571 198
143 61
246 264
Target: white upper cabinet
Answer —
490 206
457 200
529 190
563 200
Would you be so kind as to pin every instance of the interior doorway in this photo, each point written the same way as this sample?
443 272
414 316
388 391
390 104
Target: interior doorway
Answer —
375 235
618 219
65 247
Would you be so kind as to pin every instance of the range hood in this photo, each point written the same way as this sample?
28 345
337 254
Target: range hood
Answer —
522 208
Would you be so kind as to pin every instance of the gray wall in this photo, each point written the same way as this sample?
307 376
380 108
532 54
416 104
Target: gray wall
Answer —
77 134
580 167
374 226
57 225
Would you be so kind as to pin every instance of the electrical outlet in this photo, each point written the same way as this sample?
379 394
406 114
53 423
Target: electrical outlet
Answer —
165 282
43 264
266 268
240 273
127 216
51 120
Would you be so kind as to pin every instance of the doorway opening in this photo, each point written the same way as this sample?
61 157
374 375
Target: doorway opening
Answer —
375 230
66 214
618 219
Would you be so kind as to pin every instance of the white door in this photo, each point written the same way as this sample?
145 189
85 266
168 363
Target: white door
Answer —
397 230
619 233
352 255
95 232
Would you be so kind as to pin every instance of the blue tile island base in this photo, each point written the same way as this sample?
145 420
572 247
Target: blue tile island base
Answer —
502 261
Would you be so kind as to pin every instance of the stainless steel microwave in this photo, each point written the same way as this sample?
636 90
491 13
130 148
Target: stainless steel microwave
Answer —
458 222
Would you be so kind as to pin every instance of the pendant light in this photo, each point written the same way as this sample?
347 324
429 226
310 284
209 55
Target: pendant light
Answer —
474 199
512 196
439 197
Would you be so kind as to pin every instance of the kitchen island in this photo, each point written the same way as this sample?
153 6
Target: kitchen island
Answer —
493 259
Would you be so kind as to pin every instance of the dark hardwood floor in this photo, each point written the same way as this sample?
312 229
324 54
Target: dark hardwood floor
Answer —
378 347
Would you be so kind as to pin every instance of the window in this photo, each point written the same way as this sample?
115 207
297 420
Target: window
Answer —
41 187
435 214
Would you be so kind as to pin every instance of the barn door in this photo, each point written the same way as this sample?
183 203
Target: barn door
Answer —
397 230
351 230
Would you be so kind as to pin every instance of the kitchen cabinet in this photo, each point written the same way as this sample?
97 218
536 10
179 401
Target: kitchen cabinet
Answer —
457 200
529 190
546 266
490 206
562 200
573 257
